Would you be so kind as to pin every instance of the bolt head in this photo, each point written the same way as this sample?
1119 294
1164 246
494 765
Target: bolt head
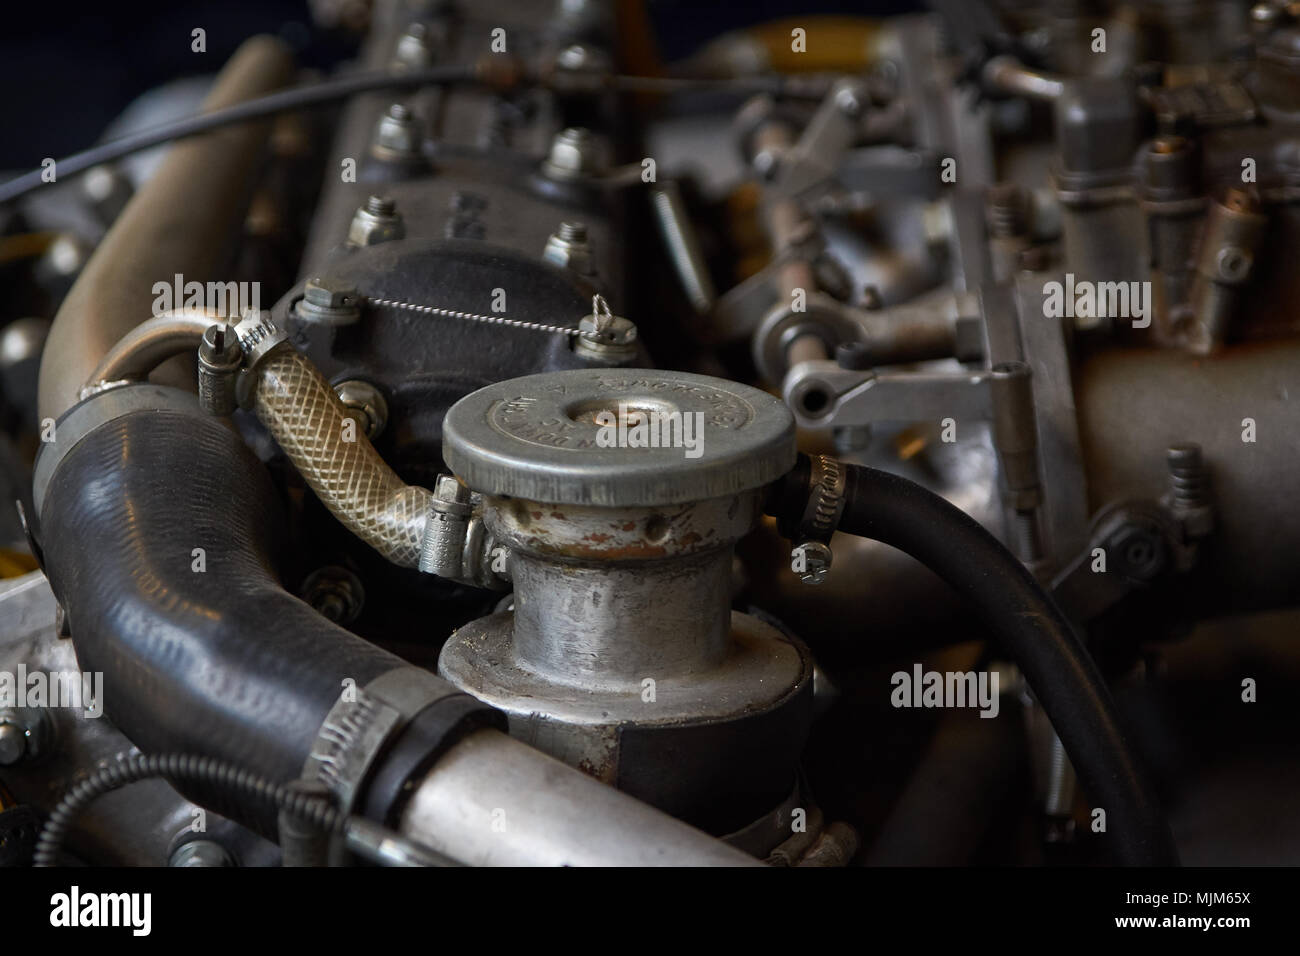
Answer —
335 592
397 136
414 50
580 57
448 488
573 154
368 403
370 229
219 350
330 293
936 222
1139 550
569 249
329 301
815 558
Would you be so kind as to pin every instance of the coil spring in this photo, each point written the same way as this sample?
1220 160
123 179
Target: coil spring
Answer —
187 768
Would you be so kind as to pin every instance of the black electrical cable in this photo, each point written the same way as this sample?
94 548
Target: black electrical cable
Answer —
282 101
327 91
1032 629
185 768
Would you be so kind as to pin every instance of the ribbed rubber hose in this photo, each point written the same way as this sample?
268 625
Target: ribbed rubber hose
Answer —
1032 629
158 530
307 419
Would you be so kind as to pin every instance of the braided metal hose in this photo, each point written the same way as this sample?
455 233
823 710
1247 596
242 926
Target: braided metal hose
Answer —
293 400
186 768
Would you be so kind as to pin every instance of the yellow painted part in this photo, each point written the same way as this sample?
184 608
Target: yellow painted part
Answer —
25 245
14 564
831 43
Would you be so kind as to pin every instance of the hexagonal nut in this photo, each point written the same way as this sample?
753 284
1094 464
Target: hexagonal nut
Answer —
368 404
568 254
370 229
414 49
574 154
579 68
398 135
329 292
936 223
329 300
811 560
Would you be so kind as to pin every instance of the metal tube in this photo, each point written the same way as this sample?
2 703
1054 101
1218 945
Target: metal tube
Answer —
180 222
1009 75
492 801
148 345
608 625
683 247
806 348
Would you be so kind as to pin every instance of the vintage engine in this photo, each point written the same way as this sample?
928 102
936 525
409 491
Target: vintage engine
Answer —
619 447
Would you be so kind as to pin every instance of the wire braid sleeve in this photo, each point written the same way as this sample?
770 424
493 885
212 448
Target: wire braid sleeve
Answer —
299 408
1033 630
201 652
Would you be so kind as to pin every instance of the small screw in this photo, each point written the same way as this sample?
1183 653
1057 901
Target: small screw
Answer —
380 206
812 561
335 592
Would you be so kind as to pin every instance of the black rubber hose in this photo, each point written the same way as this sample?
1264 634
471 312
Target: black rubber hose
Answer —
1030 627
157 530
